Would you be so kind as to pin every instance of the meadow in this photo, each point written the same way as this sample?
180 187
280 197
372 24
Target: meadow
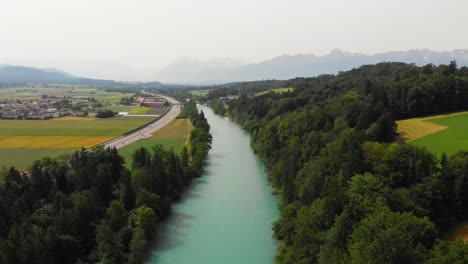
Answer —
23 157
72 92
199 92
276 90
22 141
440 134
72 126
174 135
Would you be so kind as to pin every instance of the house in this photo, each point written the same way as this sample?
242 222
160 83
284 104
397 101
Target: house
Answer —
229 98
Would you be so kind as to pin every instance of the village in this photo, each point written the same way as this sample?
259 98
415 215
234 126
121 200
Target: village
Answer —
77 106
36 110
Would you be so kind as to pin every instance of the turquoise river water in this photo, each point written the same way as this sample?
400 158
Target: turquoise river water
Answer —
226 215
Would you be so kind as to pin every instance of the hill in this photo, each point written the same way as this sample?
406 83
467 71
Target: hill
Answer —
13 76
25 74
347 195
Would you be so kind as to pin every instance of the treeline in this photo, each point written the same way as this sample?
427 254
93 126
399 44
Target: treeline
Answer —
123 89
218 106
105 114
180 94
89 208
347 195
240 88
127 100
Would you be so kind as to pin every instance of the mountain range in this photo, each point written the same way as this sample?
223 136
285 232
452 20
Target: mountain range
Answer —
190 71
20 75
224 70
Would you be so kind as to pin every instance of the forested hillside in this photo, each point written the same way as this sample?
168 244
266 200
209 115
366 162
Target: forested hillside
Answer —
347 195
89 208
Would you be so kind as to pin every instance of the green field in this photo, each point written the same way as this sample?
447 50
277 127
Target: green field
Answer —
199 92
61 91
439 134
174 136
277 90
23 141
450 140
72 126
22 157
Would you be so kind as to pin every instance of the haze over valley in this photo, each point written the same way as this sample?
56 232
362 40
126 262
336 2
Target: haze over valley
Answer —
217 71
191 71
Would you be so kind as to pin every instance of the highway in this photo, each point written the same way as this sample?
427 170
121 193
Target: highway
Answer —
148 130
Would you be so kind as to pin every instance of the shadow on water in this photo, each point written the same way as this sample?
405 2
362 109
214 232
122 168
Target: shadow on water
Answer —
171 231
192 194
214 164
216 156
173 234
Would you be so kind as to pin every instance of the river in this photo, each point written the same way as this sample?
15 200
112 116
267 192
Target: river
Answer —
226 215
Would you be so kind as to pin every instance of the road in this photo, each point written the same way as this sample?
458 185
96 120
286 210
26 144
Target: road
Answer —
148 130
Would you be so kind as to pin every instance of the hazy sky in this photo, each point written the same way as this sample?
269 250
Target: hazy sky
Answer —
133 39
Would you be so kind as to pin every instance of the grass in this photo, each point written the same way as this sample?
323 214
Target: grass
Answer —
128 151
177 129
23 157
415 128
440 133
23 141
199 92
139 110
50 141
31 93
174 136
277 90
450 140
72 126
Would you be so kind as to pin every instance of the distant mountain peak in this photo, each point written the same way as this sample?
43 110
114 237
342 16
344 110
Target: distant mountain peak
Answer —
336 52
221 70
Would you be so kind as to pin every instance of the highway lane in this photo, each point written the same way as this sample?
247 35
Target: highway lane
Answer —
148 130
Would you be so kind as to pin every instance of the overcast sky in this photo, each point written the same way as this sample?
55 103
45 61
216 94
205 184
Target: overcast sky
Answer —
133 39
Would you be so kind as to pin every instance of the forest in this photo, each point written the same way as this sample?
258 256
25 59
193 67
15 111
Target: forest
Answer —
350 191
90 208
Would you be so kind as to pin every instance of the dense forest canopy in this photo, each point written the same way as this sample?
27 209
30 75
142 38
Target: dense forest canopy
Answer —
90 208
347 195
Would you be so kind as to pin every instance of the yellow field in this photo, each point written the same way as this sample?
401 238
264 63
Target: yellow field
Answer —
51 141
23 141
414 128
177 129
